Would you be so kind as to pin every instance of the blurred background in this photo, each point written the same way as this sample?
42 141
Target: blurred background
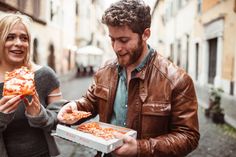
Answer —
197 35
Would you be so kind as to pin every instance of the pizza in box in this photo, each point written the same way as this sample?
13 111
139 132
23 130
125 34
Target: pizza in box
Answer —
19 82
96 129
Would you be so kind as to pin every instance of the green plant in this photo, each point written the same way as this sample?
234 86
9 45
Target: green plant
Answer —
215 111
215 95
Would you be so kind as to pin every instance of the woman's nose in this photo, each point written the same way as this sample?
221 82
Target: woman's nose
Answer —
18 41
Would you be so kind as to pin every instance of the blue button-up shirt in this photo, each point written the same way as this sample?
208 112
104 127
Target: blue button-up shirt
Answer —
121 100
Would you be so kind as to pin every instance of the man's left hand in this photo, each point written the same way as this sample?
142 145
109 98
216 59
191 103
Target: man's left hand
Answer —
128 149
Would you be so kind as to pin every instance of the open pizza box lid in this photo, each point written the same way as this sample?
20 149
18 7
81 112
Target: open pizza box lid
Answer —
89 140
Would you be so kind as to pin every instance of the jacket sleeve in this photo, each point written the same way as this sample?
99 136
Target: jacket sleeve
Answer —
47 118
183 133
88 101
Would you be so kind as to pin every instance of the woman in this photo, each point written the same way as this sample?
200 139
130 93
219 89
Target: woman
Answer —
25 123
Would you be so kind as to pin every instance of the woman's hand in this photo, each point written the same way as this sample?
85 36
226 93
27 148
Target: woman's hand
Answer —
33 108
68 108
9 104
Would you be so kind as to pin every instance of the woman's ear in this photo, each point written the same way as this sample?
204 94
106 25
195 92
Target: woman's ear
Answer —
146 34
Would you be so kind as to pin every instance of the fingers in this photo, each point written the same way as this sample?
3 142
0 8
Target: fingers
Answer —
63 110
129 147
35 98
9 103
26 102
33 107
6 99
13 107
125 138
118 135
34 101
73 106
36 95
68 108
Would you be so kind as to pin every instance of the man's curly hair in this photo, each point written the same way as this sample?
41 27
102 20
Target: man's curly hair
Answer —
132 13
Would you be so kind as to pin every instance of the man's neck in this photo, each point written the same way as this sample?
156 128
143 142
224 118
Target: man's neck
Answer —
131 67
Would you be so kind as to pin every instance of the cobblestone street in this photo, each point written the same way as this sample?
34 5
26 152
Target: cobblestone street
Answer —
216 140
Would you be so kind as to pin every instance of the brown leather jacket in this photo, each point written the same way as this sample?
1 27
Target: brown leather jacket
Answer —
162 106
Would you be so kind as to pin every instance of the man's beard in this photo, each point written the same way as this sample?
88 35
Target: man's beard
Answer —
134 55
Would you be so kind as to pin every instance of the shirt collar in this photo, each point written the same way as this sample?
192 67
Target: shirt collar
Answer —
145 60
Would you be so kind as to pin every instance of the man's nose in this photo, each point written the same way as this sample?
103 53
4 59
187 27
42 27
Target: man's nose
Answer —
117 46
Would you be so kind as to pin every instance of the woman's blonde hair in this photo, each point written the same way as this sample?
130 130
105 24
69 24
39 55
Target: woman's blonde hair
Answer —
7 21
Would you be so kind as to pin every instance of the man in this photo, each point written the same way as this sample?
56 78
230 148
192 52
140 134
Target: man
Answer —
141 90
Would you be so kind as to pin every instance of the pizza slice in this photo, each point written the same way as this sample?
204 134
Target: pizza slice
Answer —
76 115
19 82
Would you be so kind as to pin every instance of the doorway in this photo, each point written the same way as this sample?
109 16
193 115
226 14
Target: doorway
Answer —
212 60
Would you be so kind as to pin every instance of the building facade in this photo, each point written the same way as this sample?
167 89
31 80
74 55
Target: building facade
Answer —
199 36
53 30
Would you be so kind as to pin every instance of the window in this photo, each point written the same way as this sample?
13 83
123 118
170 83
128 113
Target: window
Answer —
76 9
199 6
235 6
178 53
35 51
187 52
51 57
179 4
51 11
37 8
171 52
197 59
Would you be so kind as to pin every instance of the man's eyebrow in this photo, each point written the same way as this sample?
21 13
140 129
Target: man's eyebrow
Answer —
118 37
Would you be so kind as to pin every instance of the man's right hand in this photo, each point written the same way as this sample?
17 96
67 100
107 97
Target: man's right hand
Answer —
68 108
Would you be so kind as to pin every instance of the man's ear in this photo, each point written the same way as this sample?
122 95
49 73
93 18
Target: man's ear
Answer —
146 34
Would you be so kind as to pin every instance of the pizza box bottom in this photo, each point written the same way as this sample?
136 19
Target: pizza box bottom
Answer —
89 140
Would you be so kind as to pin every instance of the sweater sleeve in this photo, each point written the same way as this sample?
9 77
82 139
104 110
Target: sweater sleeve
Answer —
46 81
47 118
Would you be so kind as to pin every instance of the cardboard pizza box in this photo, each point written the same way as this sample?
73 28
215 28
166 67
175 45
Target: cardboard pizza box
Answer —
89 140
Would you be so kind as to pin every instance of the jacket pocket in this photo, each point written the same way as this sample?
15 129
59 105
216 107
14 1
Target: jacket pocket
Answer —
155 119
156 109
